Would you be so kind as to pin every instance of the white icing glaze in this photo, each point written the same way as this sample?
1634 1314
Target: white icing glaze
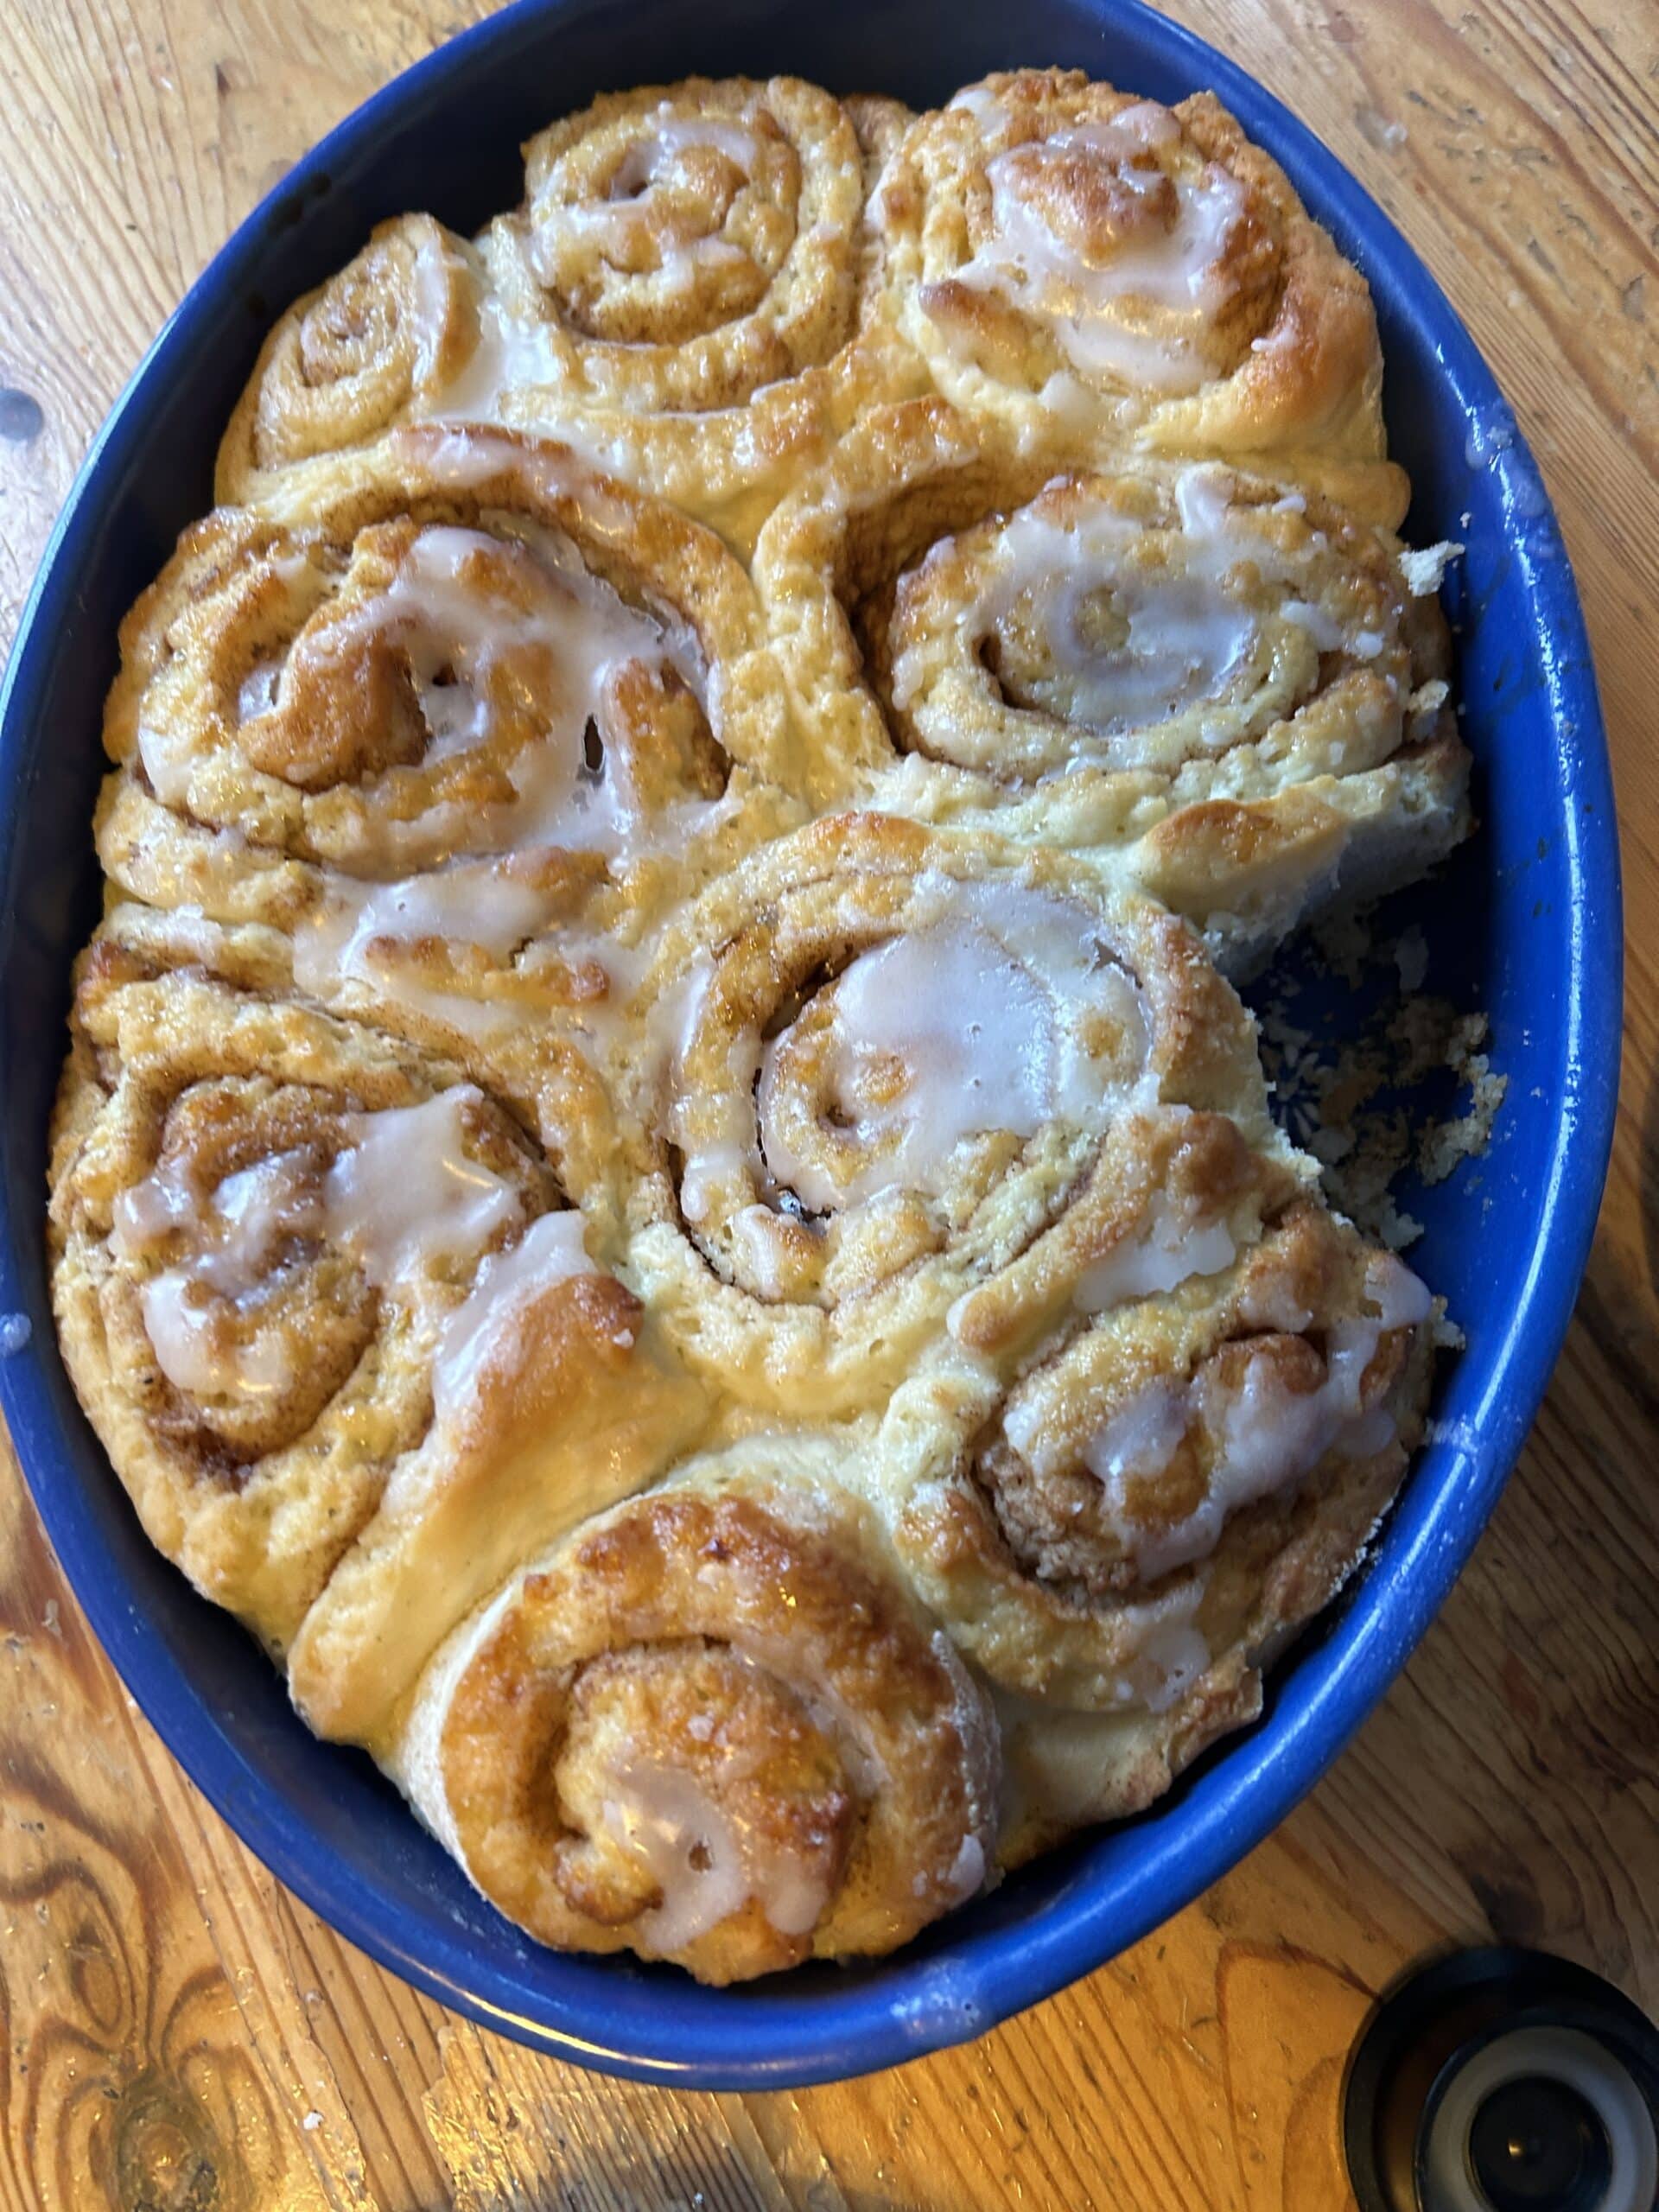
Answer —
402 1196
962 1037
1186 634
510 355
705 1867
257 694
1097 309
194 1314
455 621
628 228
661 1816
358 932
675 1016
1319 623
1266 1437
431 293
407 1196
979 102
474 902
974 1020
254 1208
167 755
1168 1252
195 1349
1169 1662
1202 501
704 1172
1138 1440
1404 1301
550 1251
755 1231
967 1874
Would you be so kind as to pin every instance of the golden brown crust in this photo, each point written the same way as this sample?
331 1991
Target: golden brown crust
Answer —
709 333
255 1375
1118 209
396 327
576 1404
266 1231
686 292
455 718
715 1727
1233 692
1123 1510
796 1249
684 244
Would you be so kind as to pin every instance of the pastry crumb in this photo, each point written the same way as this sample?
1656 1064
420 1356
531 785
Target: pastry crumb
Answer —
1424 567
1347 1103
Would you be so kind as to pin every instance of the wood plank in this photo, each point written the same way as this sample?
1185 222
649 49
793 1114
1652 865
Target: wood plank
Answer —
172 2020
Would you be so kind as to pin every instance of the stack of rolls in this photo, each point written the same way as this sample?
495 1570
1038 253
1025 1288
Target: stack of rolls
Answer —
660 1180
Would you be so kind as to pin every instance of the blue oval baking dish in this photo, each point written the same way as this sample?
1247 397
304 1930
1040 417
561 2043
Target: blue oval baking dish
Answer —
1525 923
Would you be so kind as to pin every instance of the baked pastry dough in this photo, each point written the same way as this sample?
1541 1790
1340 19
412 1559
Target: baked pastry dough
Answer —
1065 255
1145 1456
877 1063
713 1726
458 719
685 293
658 1181
295 1265
381 341
1238 690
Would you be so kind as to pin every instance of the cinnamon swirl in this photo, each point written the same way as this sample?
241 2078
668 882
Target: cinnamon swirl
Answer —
1136 1469
713 1727
377 343
295 1264
1238 691
686 292
455 718
1064 253
877 1064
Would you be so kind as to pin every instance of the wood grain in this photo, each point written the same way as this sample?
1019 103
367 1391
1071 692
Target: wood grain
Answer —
177 2031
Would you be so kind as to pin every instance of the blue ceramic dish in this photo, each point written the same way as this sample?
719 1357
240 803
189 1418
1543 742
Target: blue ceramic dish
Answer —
1525 923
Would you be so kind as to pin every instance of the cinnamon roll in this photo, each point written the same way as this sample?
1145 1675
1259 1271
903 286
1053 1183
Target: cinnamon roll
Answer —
877 1064
297 1264
686 293
374 345
1241 691
713 1726
1125 1524
455 718
686 290
1064 253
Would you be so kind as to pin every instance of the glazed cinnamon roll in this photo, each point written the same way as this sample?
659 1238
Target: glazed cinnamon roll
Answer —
687 289
1064 253
877 1064
1124 1524
455 718
1242 690
713 1727
376 344
295 1262
687 293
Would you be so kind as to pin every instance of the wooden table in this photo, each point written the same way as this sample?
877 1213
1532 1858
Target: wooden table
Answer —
177 2031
